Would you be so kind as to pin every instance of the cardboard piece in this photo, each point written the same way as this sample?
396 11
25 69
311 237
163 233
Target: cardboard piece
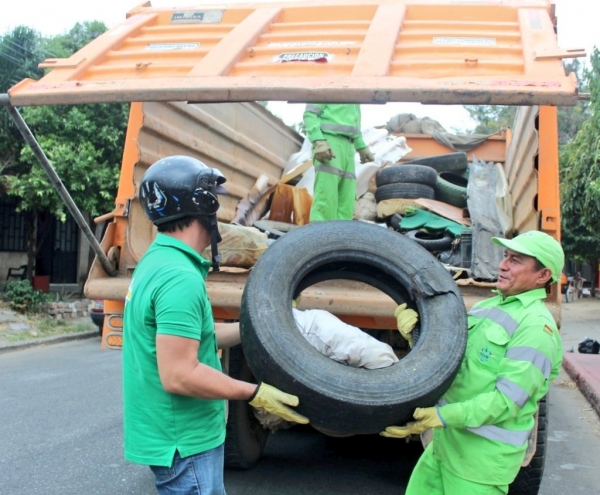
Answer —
444 210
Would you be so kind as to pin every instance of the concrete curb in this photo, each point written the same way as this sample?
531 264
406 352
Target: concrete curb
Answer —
17 346
587 382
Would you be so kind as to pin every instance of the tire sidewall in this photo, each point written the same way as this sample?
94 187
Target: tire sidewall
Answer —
279 354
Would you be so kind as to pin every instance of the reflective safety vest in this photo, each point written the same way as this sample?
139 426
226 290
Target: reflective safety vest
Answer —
514 351
337 119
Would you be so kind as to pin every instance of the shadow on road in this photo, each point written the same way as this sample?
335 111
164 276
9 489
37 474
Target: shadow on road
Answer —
303 461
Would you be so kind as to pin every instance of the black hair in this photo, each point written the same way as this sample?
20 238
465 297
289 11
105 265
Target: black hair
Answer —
177 224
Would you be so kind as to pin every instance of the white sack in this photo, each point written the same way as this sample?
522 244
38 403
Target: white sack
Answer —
342 342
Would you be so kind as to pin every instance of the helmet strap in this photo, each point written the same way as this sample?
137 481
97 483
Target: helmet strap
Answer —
211 224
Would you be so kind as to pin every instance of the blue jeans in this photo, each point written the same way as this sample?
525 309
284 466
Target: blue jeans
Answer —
200 474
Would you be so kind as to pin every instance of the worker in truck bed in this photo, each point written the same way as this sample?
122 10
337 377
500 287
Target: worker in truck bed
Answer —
173 387
335 132
483 422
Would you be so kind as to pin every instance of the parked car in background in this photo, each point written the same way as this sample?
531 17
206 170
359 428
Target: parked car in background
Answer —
97 314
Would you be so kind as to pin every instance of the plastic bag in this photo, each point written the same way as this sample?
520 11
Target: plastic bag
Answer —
342 342
241 246
589 346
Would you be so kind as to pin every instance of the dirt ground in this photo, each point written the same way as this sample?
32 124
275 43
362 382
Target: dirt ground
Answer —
15 327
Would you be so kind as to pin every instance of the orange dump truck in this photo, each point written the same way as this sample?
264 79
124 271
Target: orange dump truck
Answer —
192 73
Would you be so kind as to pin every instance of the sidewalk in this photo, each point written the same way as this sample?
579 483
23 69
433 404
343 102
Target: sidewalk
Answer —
19 331
581 318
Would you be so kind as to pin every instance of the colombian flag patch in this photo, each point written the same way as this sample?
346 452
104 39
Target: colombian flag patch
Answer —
548 329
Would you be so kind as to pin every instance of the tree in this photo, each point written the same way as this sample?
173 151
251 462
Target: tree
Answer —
84 144
580 181
570 119
491 118
20 55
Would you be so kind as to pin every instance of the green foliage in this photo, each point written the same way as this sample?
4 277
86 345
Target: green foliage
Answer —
580 178
23 298
491 118
76 38
84 144
20 54
570 119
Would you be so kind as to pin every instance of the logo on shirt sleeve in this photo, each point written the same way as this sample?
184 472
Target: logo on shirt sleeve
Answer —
548 329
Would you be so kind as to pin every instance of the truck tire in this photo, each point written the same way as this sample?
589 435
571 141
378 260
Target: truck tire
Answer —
338 398
416 174
246 438
451 188
394 221
529 479
403 191
434 241
449 162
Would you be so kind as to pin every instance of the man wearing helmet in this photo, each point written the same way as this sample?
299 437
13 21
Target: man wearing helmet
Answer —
173 389
483 421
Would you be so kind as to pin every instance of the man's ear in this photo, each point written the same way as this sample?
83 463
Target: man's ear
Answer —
545 275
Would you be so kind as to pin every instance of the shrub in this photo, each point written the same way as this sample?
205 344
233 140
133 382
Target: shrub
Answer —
23 298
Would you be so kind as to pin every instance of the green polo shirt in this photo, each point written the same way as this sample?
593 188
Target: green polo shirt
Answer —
167 295
514 351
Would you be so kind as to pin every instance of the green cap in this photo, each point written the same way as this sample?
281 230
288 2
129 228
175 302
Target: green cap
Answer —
540 246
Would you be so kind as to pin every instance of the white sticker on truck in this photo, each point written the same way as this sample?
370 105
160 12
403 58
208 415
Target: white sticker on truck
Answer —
160 47
195 16
296 44
303 57
449 40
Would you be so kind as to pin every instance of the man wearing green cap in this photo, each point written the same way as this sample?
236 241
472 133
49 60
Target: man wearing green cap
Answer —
482 423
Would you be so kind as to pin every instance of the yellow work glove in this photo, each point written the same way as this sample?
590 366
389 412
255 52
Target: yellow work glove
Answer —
322 151
365 155
426 417
407 319
276 402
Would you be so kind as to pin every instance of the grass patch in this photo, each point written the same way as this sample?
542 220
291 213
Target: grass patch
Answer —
47 327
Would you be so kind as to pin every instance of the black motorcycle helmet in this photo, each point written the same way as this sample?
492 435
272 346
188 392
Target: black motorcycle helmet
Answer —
178 186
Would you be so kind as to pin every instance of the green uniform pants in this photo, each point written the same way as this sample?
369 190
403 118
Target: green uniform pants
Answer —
335 183
430 477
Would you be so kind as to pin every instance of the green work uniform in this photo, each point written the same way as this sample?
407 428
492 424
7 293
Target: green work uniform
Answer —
514 351
167 296
335 180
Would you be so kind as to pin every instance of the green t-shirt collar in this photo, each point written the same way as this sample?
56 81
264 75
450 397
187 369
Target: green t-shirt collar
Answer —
170 241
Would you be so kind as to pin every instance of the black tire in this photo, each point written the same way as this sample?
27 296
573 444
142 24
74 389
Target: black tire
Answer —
246 438
394 221
336 397
450 162
435 241
452 189
403 191
408 174
529 479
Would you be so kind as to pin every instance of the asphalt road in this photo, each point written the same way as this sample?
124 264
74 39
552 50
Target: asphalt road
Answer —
61 433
